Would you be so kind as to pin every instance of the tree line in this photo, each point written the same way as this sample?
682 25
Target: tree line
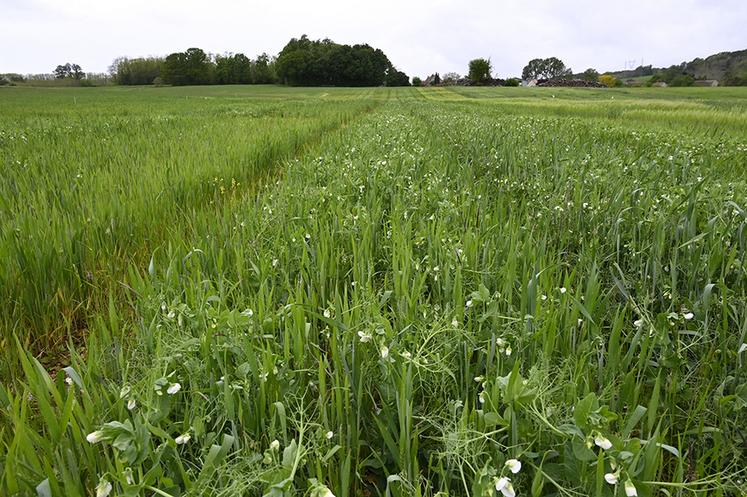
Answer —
194 67
302 62
306 62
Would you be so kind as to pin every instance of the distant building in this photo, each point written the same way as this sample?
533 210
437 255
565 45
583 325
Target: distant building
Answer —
706 82
430 80
529 82
660 84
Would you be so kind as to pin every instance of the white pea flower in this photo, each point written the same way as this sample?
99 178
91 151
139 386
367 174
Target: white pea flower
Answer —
183 439
468 304
508 351
131 404
611 478
504 486
69 381
95 437
563 289
329 435
688 316
630 489
513 465
173 388
327 313
602 442
638 323
274 445
104 488
742 348
384 351
364 336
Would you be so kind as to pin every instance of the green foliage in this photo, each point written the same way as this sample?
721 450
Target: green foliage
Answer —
233 69
139 71
263 70
68 70
550 68
682 80
396 78
305 62
590 75
398 292
479 70
512 82
192 67
416 81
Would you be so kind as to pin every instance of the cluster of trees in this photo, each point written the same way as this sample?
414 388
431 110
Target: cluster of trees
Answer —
435 79
69 70
480 73
194 67
138 71
240 69
302 62
550 68
675 75
305 62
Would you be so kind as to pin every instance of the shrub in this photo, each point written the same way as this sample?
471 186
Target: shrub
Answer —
609 80
682 80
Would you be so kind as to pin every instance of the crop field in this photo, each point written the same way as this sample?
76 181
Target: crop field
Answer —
267 291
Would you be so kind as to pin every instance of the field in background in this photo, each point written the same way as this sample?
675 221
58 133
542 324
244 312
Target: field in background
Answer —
404 288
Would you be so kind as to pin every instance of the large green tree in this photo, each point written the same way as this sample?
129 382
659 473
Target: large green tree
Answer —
193 67
550 68
479 70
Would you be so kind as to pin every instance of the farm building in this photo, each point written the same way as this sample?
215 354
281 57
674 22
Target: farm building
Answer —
706 82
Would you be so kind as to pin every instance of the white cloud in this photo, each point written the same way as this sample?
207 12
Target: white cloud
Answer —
419 36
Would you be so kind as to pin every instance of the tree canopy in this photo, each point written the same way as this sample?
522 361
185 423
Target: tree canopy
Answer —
479 70
550 68
305 62
68 70
138 71
192 67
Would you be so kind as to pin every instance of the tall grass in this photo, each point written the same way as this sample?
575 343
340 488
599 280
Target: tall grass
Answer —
406 307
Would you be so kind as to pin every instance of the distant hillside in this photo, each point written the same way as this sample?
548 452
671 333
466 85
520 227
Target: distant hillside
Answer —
729 68
724 66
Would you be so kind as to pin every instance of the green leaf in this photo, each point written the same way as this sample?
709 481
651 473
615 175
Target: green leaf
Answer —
289 454
583 409
633 420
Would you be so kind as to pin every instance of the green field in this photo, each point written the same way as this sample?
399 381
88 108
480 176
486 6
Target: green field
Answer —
248 290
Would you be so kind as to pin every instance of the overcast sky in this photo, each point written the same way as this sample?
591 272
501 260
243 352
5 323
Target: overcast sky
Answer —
420 37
